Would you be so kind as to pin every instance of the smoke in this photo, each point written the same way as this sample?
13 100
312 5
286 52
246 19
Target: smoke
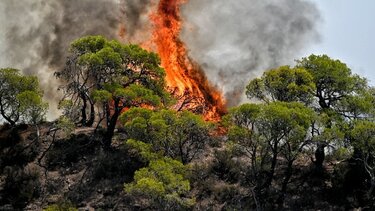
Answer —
234 41
35 34
136 21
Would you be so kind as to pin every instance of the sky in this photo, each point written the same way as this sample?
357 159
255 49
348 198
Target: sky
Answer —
347 32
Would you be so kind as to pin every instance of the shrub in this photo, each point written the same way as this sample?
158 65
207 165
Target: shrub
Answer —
61 206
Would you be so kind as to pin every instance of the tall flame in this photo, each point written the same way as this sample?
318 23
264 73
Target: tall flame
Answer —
182 74
185 78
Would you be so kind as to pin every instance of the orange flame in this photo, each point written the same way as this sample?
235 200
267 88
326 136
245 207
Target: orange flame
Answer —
184 77
182 73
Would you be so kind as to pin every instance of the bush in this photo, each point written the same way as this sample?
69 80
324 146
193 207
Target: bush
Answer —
62 206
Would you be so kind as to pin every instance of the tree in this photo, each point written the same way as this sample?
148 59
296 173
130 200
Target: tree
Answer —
282 84
115 75
334 81
323 84
32 108
92 62
179 135
336 92
266 131
121 98
20 98
362 138
163 182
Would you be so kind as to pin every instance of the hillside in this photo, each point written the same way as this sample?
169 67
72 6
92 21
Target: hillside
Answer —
59 169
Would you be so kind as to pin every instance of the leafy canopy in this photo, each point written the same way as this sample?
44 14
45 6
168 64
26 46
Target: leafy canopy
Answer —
180 135
20 97
163 182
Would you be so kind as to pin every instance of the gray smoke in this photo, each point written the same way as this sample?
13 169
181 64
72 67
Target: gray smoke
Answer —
35 34
136 17
235 41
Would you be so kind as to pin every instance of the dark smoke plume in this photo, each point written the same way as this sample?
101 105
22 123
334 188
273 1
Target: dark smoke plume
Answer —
234 41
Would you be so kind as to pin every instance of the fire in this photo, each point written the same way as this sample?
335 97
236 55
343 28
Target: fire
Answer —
183 73
184 77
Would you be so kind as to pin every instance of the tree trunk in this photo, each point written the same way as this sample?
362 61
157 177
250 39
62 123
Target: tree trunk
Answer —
273 166
11 122
92 115
111 129
320 155
288 175
83 109
37 132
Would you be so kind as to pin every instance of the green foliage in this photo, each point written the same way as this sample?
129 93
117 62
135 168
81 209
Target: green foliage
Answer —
66 125
69 110
252 125
143 149
115 75
20 97
363 136
62 206
180 135
99 70
338 111
32 107
282 84
163 182
332 78
263 133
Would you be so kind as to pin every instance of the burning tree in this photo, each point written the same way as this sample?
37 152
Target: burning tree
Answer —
185 79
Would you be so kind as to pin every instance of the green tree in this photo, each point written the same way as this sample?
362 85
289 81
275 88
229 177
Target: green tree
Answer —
339 95
333 79
266 131
283 84
163 182
179 135
92 62
115 75
362 138
323 84
21 98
